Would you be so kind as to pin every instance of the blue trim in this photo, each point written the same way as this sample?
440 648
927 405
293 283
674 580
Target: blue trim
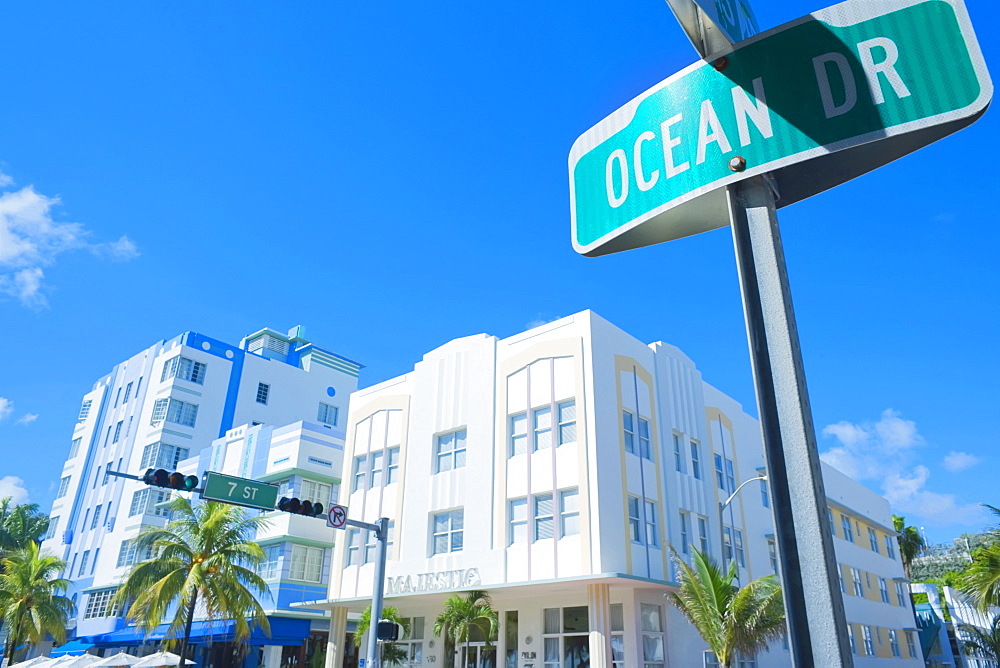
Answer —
77 647
284 631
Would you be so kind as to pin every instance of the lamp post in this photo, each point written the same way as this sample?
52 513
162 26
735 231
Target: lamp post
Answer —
722 522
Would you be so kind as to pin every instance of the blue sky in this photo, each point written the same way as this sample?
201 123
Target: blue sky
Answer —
393 175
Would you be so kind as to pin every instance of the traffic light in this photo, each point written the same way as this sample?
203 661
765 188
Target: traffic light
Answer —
387 630
175 480
296 507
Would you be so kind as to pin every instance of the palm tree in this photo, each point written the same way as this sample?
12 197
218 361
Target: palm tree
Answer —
729 619
911 543
20 524
392 654
31 600
981 580
982 643
204 557
462 616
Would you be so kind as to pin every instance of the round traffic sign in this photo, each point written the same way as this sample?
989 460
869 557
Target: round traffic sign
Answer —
337 517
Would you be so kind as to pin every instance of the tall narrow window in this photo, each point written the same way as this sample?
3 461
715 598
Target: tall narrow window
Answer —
652 538
873 540
353 547
83 563
678 455
518 529
720 474
634 520
883 589
738 546
84 411
263 390
97 517
730 476
695 460
900 594
518 434
772 554
833 525
392 466
359 473
628 429
542 427
543 516
118 431
128 392
889 547
845 523
617 636
869 641
510 638
74 447
703 535
375 479
850 636
685 533
569 513
859 587
765 497
567 421
645 450
653 654
63 487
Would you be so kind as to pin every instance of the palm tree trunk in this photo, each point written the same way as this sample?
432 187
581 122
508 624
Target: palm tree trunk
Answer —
12 639
187 627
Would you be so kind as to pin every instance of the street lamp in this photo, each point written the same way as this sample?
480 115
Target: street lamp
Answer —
722 528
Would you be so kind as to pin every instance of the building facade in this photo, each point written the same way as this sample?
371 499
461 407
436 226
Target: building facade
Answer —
556 469
270 408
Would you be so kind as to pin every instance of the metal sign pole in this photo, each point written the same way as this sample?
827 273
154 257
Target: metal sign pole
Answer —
381 529
813 604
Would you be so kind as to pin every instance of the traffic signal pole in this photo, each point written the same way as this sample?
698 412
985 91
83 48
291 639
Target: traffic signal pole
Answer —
381 529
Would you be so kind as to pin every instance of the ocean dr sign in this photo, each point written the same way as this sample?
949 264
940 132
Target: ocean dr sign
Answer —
846 90
438 581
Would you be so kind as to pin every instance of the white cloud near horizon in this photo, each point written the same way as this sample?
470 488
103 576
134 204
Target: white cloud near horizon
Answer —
30 239
6 408
27 418
886 452
12 486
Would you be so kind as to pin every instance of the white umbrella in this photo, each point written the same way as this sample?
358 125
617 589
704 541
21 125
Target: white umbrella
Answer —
57 662
161 659
119 659
83 661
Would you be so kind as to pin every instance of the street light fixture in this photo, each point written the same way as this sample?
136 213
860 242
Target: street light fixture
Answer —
722 523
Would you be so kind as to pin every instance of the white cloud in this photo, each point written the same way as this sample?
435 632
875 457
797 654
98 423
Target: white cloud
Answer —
6 180
957 462
27 418
6 408
539 321
30 238
885 453
13 487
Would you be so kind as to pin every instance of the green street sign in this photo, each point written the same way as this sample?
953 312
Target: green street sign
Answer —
813 103
240 491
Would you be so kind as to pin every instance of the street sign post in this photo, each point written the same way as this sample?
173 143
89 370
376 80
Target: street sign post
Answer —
240 491
812 103
337 517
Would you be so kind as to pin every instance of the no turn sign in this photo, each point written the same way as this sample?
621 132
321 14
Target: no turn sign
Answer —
337 517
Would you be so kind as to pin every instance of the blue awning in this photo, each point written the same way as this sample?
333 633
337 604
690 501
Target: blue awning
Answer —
77 647
284 631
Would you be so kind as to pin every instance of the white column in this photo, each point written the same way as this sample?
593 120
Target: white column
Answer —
338 636
599 611
272 656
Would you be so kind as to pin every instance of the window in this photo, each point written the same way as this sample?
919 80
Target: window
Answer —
653 655
99 604
129 553
86 520
628 427
911 643
174 410
271 568
840 576
651 536
685 533
569 513
900 594
185 369
63 487
869 641
307 563
634 520
118 431
353 547
375 470
263 390
53 525
850 636
147 501
542 428
772 554
738 545
83 563
894 642
743 661
883 589
163 455
104 480
845 522
833 525
97 517
84 411
517 531
411 645
74 447
448 531
327 414
359 473
565 640
645 451
720 474
392 466
510 638
727 544
97 476
316 491
128 392
371 546
765 495
617 636
873 540
859 588
679 463
566 414
450 451
889 551
518 434
543 516
709 660
703 535
695 460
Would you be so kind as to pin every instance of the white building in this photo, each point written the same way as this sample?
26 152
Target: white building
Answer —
212 406
553 469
